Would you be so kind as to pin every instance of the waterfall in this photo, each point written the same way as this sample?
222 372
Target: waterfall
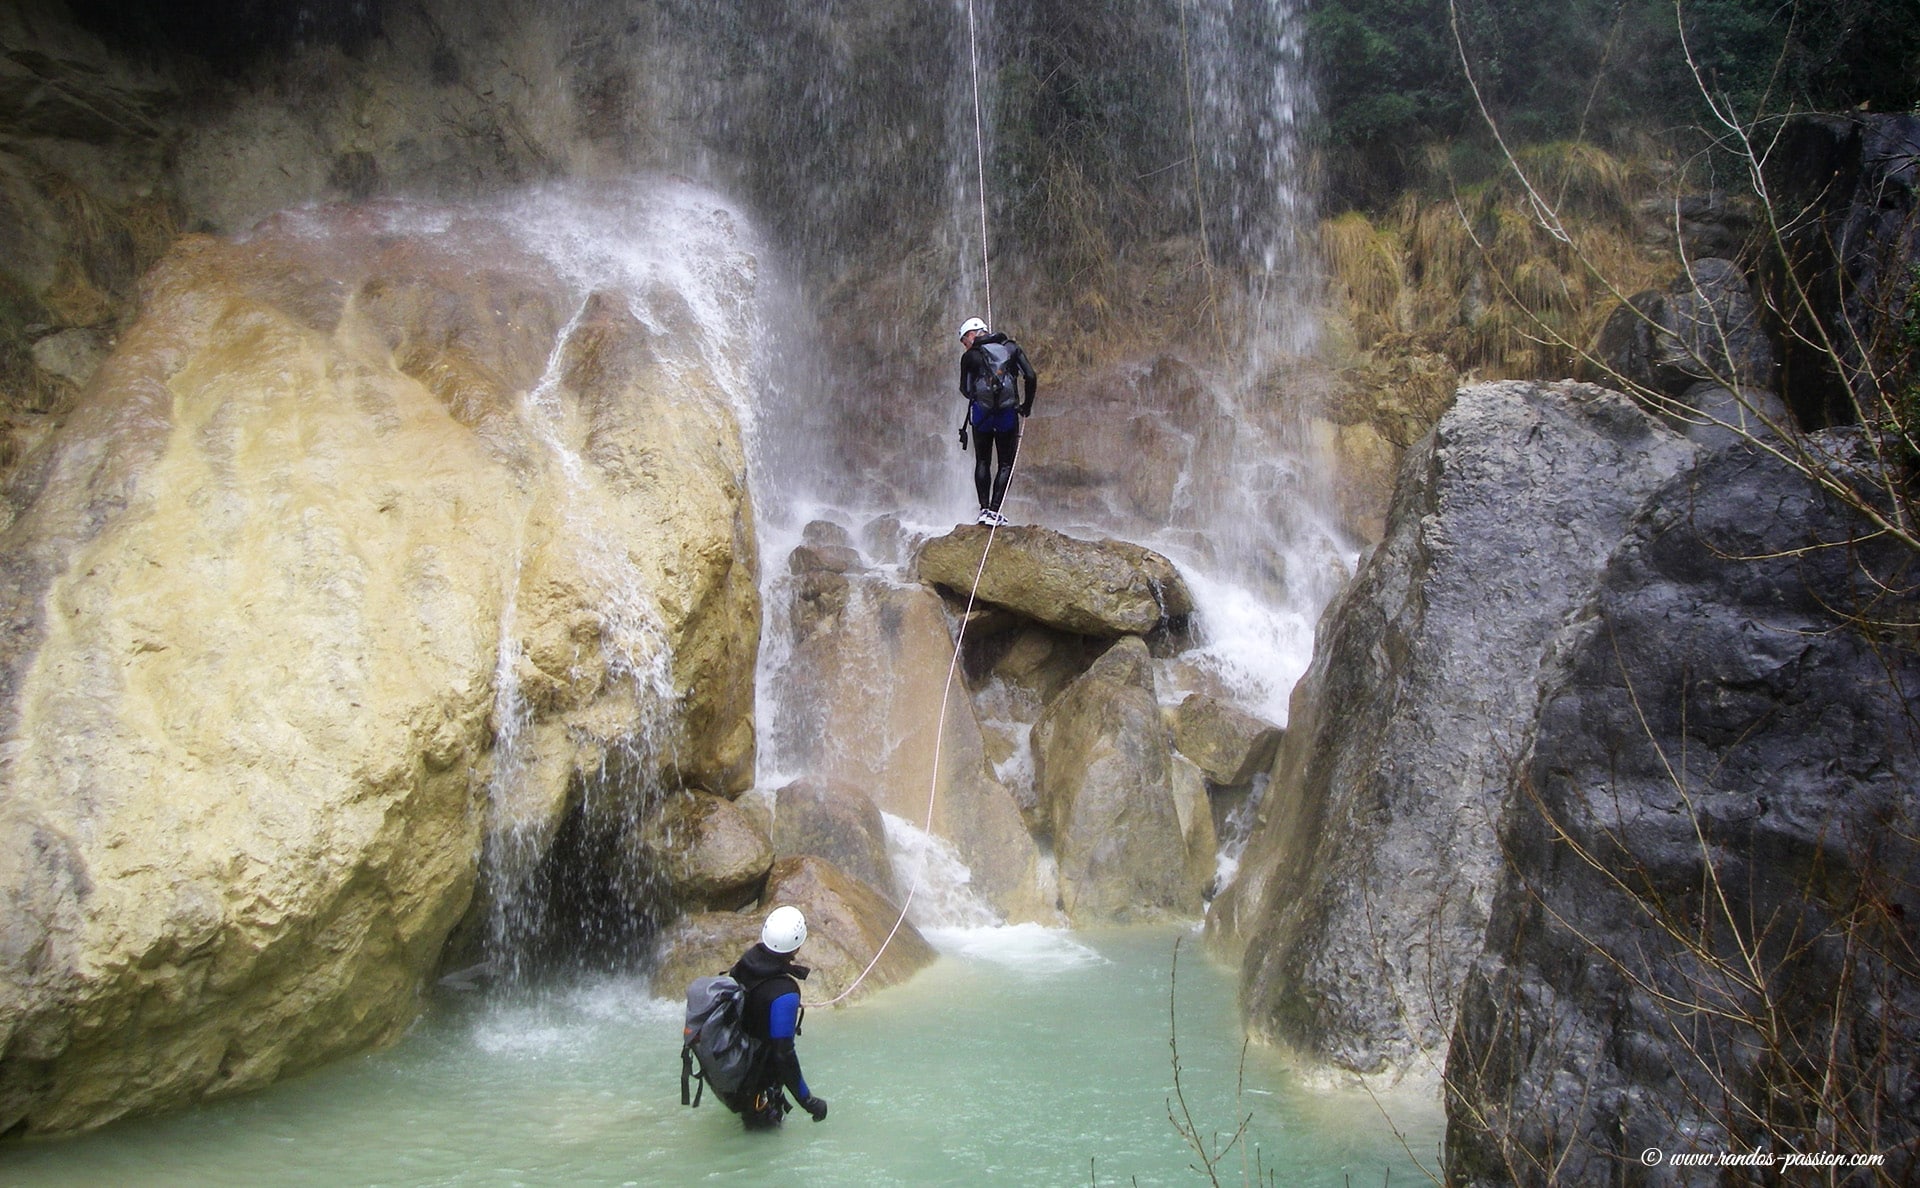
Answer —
680 262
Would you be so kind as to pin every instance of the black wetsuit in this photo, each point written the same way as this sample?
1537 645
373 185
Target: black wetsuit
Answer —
771 1015
996 430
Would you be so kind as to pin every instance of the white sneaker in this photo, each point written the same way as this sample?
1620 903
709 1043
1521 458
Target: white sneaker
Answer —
993 519
985 517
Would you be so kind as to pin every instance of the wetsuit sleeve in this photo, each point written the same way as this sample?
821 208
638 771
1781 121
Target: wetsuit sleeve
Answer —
783 1063
1026 372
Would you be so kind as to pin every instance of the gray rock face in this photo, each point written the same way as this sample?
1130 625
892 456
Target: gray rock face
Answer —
1105 782
837 822
1229 745
1101 588
1724 416
1743 764
1364 889
1705 328
1850 188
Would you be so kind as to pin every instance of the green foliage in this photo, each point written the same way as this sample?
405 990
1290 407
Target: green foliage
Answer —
1391 79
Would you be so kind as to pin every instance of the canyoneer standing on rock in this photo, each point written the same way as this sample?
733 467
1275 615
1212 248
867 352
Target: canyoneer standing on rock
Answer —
992 371
771 1016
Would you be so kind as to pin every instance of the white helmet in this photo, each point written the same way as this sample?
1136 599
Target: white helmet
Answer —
784 930
970 325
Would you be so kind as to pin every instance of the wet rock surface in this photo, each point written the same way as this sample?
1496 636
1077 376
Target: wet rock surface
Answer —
1105 783
1100 588
1363 893
1728 735
864 693
847 922
836 822
713 856
1849 193
1228 744
1706 327
251 684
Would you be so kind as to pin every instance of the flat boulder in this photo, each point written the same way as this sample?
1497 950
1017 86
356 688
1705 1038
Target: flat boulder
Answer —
1105 588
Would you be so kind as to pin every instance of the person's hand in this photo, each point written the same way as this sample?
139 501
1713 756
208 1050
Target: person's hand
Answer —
817 1106
1026 408
963 437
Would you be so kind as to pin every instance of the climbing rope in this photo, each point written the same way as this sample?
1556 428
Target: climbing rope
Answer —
980 160
933 782
960 636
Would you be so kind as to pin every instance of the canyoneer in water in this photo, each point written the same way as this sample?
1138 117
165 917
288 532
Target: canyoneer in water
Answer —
992 371
741 1026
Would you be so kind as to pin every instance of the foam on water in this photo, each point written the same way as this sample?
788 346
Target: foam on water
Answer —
1025 948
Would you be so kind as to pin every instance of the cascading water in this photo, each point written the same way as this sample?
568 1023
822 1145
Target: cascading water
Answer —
1028 1055
671 255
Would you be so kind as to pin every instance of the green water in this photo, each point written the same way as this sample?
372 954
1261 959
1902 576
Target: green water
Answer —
1022 1057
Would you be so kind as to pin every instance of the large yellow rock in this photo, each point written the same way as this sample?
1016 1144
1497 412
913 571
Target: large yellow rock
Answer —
257 597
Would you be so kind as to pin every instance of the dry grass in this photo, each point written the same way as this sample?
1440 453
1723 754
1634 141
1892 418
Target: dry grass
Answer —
1480 277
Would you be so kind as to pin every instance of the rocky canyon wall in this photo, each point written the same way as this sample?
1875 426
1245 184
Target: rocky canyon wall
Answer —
355 499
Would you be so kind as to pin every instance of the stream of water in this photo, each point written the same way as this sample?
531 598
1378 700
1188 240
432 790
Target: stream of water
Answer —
1024 1056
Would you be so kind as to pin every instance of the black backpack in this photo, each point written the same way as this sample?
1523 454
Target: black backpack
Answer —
999 387
715 1036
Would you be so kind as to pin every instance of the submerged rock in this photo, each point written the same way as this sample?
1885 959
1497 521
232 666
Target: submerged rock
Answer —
1363 893
1104 775
1704 939
257 599
1101 588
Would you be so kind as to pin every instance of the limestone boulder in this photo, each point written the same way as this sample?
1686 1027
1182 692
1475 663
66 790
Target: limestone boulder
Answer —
1193 808
1104 778
1364 889
702 944
1103 588
837 822
847 923
862 696
712 855
309 595
1228 744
